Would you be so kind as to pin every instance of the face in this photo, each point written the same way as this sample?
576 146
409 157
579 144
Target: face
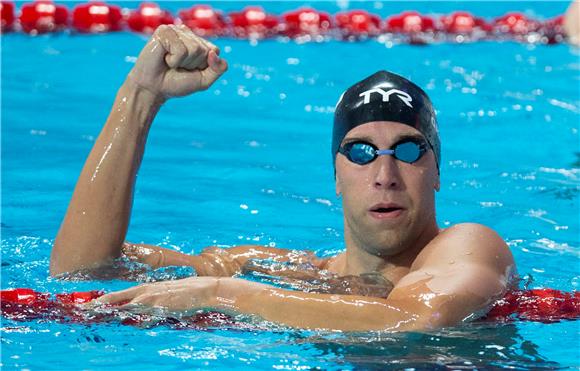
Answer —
388 204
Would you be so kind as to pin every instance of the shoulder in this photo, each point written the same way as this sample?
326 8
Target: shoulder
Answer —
468 243
459 273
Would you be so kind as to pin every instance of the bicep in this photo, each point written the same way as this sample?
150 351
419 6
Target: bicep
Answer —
447 298
460 274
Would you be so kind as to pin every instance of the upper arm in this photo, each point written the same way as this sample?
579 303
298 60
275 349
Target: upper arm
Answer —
461 272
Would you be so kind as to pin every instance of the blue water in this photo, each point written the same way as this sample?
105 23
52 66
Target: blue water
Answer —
249 161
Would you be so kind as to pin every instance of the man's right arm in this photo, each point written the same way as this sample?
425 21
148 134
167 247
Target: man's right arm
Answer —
216 261
174 62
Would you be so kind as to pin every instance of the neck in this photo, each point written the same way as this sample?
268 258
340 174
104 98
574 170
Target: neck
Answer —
359 259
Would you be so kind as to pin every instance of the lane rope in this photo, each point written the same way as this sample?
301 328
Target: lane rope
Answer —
24 304
304 24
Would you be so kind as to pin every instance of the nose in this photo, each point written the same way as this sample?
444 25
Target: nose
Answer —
387 174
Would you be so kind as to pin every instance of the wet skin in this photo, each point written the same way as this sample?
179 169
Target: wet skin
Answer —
439 277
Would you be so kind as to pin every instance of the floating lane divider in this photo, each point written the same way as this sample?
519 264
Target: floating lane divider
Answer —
541 305
304 24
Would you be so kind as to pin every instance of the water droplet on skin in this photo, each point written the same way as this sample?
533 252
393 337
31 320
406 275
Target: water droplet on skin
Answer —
452 262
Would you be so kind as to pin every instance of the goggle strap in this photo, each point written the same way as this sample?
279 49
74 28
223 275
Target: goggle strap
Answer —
385 152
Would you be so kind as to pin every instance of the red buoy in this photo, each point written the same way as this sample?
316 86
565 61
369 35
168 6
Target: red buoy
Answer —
544 305
7 16
515 24
409 23
552 30
358 23
22 296
148 17
305 21
254 22
78 297
203 20
43 16
97 17
458 23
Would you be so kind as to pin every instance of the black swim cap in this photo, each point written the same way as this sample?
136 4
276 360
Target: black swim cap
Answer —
385 96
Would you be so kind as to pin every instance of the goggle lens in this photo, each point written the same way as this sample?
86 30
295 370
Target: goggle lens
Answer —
408 152
363 153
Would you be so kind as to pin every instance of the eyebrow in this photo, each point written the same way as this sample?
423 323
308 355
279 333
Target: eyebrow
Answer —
397 140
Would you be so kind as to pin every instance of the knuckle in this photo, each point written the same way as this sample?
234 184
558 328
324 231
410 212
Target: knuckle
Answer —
194 47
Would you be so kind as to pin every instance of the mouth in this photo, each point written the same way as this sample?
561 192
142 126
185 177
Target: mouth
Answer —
386 211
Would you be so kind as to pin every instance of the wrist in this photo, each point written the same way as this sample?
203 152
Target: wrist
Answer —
143 94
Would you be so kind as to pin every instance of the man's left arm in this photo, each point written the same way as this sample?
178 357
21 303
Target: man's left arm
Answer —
459 273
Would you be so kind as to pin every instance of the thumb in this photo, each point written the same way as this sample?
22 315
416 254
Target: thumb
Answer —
216 67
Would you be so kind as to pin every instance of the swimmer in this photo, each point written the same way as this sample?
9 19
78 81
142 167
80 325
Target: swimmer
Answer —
386 154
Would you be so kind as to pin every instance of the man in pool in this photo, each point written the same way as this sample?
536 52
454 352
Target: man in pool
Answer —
386 153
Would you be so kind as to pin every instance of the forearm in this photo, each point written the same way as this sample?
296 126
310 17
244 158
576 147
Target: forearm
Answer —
313 311
97 218
215 261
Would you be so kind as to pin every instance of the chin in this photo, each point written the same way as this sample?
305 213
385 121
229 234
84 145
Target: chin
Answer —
386 246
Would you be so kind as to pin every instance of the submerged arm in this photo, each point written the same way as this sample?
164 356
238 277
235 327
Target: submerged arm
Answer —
174 62
215 261
459 273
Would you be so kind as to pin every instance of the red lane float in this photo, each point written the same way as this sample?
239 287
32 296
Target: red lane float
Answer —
305 22
43 16
148 17
7 16
28 305
464 23
97 17
553 30
204 20
515 24
357 23
410 23
254 23
542 305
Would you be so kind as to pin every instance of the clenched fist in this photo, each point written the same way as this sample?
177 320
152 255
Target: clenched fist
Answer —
176 62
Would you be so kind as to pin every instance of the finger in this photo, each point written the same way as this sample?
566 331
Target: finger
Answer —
119 296
176 50
197 51
191 35
216 67
209 45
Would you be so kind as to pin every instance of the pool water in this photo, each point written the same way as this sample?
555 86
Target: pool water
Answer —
249 162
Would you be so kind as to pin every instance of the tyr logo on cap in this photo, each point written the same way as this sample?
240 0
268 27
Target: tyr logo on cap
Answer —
406 98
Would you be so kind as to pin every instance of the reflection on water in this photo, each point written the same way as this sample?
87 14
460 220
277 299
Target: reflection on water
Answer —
469 347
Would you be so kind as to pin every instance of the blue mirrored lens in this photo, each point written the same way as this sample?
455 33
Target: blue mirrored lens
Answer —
408 152
361 153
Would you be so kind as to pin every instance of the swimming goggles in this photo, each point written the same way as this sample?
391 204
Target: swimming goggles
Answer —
362 153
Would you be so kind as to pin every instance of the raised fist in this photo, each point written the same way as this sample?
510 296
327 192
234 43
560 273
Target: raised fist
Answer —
176 62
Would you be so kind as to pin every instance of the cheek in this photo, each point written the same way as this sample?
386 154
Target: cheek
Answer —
422 184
